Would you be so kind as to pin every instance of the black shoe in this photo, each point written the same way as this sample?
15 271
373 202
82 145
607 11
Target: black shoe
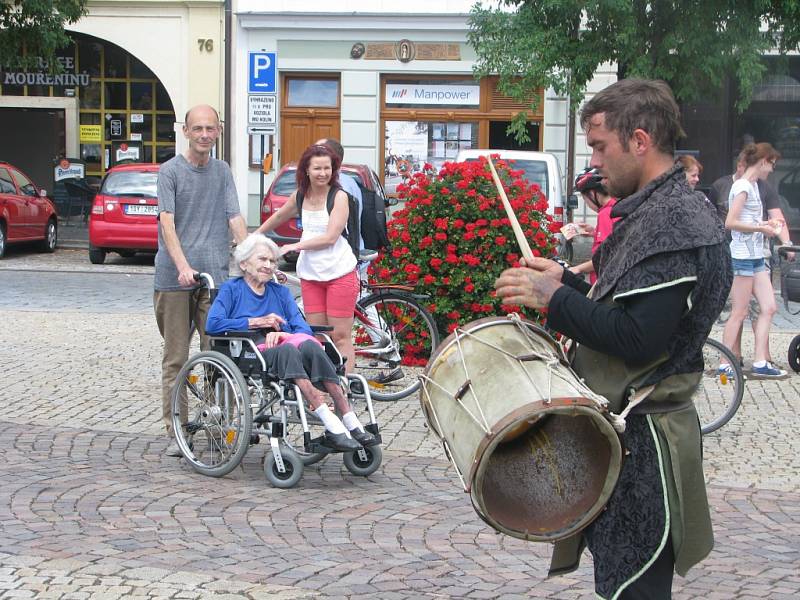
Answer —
340 442
365 438
384 378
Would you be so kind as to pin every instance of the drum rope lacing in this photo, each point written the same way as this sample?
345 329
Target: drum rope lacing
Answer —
617 420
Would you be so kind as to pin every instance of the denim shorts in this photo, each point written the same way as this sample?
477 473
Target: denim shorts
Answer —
747 267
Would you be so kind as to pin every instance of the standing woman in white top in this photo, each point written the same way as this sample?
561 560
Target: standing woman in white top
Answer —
326 265
751 273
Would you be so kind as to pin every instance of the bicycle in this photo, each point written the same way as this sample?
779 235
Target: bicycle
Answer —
719 393
394 336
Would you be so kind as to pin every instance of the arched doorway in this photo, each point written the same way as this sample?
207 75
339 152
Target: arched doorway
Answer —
119 100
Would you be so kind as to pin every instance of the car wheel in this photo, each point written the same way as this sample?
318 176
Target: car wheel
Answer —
2 240
97 256
50 237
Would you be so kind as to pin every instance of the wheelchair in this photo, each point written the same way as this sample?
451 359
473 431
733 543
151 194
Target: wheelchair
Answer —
225 401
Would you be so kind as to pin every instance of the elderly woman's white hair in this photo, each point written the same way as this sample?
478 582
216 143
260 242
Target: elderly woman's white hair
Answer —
250 246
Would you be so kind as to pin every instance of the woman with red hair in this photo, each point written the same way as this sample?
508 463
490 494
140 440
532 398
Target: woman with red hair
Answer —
326 265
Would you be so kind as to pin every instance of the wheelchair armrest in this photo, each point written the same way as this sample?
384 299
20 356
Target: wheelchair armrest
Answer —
252 334
321 328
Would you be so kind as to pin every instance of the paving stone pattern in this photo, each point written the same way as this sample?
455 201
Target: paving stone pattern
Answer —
90 508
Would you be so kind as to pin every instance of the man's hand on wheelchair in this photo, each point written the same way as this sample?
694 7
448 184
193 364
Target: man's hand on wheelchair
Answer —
270 321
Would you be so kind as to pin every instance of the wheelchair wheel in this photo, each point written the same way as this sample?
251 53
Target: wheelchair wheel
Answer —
363 465
211 414
292 465
794 354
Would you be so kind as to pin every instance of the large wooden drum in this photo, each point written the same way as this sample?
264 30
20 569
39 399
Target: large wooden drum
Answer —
531 443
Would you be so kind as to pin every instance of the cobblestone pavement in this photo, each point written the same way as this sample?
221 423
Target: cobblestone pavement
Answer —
90 508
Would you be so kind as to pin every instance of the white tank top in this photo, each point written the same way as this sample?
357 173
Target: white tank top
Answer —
326 263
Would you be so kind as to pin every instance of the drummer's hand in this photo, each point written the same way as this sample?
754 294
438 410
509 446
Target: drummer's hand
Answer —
528 286
544 266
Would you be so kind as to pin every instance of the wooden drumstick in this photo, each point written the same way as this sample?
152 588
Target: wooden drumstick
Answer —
523 243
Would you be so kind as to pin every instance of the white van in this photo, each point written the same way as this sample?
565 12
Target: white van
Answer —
540 168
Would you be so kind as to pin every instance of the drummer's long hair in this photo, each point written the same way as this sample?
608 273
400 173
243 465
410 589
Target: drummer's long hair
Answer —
312 151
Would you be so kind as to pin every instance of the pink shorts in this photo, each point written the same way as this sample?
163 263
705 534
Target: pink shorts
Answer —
335 298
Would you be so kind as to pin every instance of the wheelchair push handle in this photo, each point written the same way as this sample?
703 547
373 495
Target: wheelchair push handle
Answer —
205 279
784 250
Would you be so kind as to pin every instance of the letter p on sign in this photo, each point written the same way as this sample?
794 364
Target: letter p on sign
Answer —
261 73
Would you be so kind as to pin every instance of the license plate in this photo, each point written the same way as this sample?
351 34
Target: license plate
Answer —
141 209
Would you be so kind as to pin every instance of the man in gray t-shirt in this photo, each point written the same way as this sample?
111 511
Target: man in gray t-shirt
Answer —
197 204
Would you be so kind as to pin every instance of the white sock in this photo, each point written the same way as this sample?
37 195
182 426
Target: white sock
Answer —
330 420
760 363
351 421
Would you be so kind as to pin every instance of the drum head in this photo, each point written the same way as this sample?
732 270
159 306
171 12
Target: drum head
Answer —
550 481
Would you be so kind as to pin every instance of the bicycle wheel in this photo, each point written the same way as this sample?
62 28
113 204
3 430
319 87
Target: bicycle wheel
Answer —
719 393
393 336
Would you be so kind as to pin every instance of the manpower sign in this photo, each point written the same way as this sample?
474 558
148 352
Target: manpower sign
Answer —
415 93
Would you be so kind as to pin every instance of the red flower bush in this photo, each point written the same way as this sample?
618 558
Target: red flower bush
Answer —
452 239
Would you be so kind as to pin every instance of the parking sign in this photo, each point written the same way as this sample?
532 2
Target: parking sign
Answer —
262 73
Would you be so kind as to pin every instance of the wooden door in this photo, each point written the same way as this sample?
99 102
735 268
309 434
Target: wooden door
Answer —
299 132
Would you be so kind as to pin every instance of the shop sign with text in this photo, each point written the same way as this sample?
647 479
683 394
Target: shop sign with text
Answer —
68 78
442 95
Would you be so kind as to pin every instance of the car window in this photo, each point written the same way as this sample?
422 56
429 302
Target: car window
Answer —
131 183
286 183
354 176
6 183
24 184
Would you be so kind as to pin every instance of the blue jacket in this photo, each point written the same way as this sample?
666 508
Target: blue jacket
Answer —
236 302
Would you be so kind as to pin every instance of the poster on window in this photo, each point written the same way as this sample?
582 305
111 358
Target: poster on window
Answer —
406 151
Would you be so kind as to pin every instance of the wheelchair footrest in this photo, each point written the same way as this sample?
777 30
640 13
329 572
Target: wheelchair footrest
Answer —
373 429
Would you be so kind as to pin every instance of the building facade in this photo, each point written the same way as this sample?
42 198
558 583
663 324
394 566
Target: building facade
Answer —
127 78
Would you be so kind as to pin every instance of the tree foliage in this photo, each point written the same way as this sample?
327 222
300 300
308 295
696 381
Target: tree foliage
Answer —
34 29
691 44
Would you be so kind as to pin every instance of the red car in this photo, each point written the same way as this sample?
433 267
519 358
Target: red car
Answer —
124 215
284 184
26 213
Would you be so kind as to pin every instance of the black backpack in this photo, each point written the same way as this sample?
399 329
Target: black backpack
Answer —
351 230
373 220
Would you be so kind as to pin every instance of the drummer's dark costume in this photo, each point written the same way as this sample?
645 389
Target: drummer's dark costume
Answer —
664 275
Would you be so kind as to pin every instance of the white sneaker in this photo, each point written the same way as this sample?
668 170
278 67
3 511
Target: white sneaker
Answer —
173 450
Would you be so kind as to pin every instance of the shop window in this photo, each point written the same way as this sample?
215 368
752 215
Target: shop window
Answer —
89 54
312 92
162 98
115 62
141 95
38 90
13 90
116 96
165 128
115 127
139 70
90 95
143 128
411 144
164 153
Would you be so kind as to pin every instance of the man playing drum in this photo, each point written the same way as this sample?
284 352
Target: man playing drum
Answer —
663 276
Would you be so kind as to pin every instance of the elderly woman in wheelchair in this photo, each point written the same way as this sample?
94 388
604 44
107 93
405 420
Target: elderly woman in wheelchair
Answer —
264 347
